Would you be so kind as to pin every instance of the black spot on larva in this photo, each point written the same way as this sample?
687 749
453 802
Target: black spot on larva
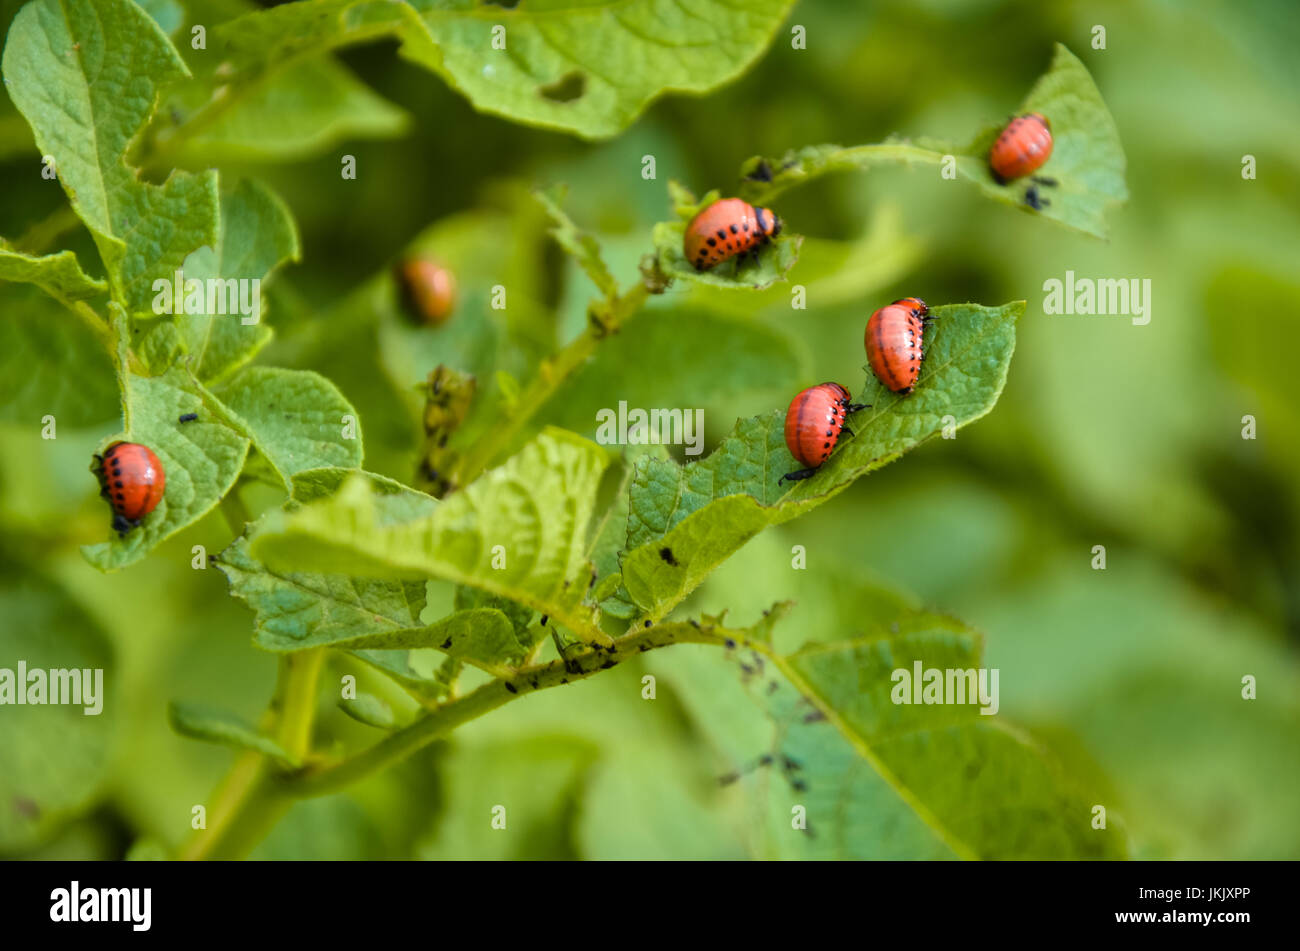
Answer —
667 555
828 445
722 234
567 88
746 225
735 230
713 242
608 664
512 688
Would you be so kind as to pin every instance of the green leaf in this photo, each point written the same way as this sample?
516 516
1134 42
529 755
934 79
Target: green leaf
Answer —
201 460
301 610
302 111
297 419
86 74
257 235
589 68
205 723
517 532
264 40
78 390
298 610
584 248
53 759
684 520
773 264
59 275
762 364
879 778
312 484
1087 158
371 711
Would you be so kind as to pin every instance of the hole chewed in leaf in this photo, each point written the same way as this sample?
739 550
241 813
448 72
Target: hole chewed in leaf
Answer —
567 88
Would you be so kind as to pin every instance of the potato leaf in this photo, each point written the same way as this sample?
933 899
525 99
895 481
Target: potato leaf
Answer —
588 68
684 520
517 532
86 74
1087 161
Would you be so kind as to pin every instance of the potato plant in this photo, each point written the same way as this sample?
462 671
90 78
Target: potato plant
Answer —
495 550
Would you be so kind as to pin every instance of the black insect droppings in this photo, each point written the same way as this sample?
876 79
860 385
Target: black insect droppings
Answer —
667 555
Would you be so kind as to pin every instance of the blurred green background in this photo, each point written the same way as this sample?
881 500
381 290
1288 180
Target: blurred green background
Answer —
1107 434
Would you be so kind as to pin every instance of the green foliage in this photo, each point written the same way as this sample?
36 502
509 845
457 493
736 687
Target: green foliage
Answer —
880 779
1087 158
79 390
85 110
299 111
257 235
517 533
444 607
296 419
53 759
217 726
566 66
57 274
684 520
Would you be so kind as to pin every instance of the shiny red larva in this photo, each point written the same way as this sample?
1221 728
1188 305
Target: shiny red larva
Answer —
132 480
895 342
428 290
726 228
813 425
1022 148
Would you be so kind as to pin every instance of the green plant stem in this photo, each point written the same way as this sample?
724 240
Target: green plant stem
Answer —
251 799
441 720
550 375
